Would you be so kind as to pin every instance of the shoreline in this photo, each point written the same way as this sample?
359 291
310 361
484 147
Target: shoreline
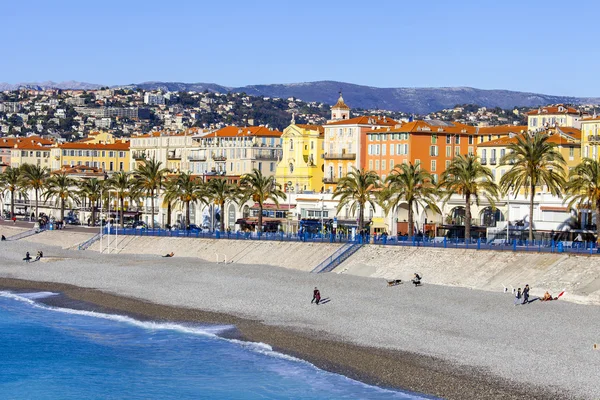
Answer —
389 369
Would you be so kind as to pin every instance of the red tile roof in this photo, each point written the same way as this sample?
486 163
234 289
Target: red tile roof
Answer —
312 127
551 110
423 126
95 146
21 141
249 131
366 120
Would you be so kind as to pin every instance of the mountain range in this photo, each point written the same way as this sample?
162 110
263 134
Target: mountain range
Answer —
410 100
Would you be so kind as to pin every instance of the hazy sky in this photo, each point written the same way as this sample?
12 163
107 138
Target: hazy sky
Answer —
528 45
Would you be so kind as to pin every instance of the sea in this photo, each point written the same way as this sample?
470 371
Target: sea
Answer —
60 353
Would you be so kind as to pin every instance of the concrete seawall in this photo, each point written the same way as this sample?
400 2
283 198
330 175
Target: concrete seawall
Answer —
484 270
295 255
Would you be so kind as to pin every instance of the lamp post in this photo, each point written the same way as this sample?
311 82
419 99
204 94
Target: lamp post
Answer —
322 207
290 188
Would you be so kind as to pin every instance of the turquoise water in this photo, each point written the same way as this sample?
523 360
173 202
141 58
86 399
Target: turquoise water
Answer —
52 353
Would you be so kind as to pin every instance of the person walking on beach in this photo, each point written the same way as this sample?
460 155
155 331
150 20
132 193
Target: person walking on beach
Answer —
27 257
526 294
316 296
518 297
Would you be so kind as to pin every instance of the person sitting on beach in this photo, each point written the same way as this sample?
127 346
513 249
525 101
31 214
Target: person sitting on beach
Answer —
171 254
39 255
417 279
27 257
548 297
3 238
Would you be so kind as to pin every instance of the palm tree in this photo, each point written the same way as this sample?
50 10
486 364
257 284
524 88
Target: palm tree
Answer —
535 162
583 187
412 184
149 178
91 189
60 185
186 190
220 192
467 177
124 185
11 180
170 196
260 188
356 189
35 178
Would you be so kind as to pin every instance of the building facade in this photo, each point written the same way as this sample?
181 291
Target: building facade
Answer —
558 115
301 166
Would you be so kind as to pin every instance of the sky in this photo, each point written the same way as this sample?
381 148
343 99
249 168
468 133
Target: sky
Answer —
526 45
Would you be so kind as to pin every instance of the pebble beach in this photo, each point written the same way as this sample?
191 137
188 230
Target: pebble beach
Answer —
447 342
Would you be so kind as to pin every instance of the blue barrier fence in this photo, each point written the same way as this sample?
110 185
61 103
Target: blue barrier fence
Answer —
549 246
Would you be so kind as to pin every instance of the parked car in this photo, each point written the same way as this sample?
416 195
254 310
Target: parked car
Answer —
194 228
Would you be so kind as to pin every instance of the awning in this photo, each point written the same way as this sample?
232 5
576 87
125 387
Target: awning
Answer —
557 209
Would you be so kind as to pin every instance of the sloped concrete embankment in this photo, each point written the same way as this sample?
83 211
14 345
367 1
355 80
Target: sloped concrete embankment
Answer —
484 270
61 238
295 255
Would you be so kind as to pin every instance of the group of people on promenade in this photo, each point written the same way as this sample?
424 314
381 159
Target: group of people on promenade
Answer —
522 297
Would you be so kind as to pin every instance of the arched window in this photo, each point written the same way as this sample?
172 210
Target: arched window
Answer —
246 211
291 144
291 168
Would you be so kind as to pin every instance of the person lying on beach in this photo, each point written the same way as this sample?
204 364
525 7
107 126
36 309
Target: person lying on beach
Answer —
548 297
394 282
27 257
171 254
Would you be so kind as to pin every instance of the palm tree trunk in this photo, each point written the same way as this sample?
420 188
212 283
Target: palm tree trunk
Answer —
468 217
122 200
187 214
12 203
62 209
531 197
222 205
152 206
36 204
93 204
411 222
361 217
260 211
598 221
169 213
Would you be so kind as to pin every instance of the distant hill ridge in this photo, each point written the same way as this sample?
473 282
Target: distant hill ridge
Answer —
411 100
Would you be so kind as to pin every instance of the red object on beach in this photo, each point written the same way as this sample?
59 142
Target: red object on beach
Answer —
560 294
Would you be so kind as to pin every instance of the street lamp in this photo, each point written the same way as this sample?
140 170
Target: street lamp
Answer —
290 189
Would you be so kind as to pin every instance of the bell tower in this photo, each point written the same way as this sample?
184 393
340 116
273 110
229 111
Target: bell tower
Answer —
340 111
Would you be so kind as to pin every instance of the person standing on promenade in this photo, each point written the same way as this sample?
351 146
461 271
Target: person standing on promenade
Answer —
316 296
526 294
518 297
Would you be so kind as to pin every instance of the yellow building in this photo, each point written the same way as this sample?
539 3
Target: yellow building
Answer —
590 137
567 140
302 158
551 116
110 157
32 150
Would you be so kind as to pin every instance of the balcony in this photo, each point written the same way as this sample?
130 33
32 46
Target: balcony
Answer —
330 180
593 138
218 157
196 157
266 155
340 156
492 161
172 155
483 161
139 155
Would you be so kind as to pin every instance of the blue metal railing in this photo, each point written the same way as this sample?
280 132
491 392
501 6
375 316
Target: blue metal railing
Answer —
25 234
85 245
548 246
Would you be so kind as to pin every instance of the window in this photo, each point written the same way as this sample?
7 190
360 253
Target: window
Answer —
111 153
38 153
370 164
483 154
111 167
571 152
533 121
312 145
457 139
434 178
457 151
447 163
433 165
260 166
448 139
502 153
417 162
122 154
470 150
433 151
291 168
121 166
400 148
291 144
471 139
80 153
377 165
87 163
383 165
433 139
64 152
271 166
493 156
384 149
448 151
405 149
392 149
